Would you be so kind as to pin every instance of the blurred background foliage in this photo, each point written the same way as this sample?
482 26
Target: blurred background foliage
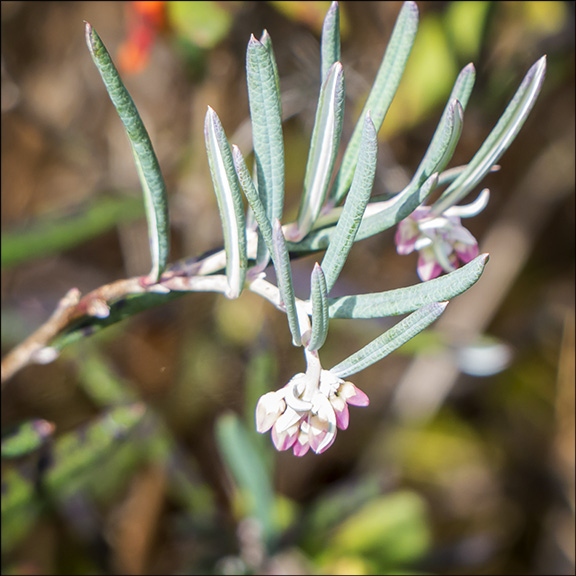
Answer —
135 452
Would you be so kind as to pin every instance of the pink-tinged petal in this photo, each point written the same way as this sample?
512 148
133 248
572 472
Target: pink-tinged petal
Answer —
301 446
322 423
286 428
408 231
342 416
321 442
268 409
420 213
462 235
320 439
355 396
286 439
427 267
466 252
406 236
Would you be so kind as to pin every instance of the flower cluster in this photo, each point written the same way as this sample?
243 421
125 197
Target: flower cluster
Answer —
307 411
439 236
442 241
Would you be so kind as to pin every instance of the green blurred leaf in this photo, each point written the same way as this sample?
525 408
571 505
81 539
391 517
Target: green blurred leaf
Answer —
72 459
310 13
393 530
121 309
465 23
76 453
204 24
26 438
102 385
250 473
20 506
51 235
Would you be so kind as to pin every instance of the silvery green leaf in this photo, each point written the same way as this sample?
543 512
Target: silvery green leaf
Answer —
229 198
284 279
448 176
316 240
443 143
323 149
319 300
353 210
381 94
378 216
399 334
330 44
404 300
499 139
463 86
267 43
258 209
449 128
384 215
265 114
153 186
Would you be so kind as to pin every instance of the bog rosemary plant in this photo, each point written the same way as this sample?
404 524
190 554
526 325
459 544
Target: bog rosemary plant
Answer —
336 210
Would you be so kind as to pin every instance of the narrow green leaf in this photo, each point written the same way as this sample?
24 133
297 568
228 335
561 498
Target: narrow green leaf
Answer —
21 504
443 143
404 300
99 382
249 472
463 86
265 113
284 279
390 212
153 186
379 216
50 235
124 308
79 451
351 217
381 94
498 140
390 340
267 43
26 438
330 43
258 209
323 149
319 300
229 197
